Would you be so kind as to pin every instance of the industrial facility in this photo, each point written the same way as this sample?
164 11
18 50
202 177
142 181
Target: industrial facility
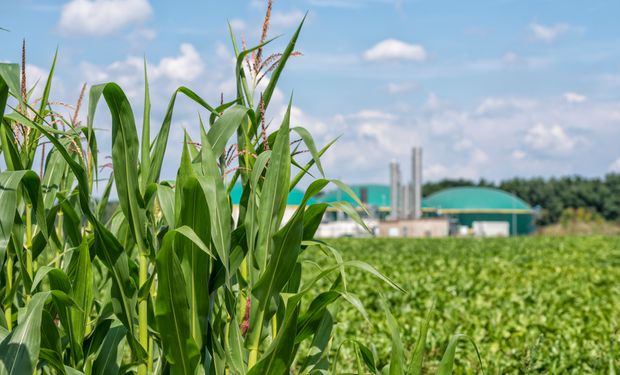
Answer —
399 210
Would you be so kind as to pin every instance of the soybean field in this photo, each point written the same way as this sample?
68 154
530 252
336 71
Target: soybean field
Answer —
532 305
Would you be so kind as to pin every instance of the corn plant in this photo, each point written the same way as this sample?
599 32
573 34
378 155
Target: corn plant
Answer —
171 282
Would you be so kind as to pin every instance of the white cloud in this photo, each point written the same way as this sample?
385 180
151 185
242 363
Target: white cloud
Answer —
615 166
500 105
102 17
573 97
393 49
552 140
38 76
185 67
519 154
400 88
128 73
432 103
547 33
238 24
286 19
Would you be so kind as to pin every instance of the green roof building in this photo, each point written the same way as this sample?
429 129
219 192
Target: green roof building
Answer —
463 205
466 205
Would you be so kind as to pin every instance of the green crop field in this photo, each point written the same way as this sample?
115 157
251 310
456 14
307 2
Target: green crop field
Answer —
532 305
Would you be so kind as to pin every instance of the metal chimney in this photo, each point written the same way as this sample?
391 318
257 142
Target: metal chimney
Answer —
405 194
415 201
394 190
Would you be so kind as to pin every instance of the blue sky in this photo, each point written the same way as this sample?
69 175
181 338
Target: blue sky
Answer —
491 89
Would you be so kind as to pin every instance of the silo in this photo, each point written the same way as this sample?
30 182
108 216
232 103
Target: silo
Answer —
394 190
415 200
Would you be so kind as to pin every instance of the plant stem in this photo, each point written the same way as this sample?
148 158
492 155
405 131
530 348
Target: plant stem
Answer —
8 313
255 337
29 269
274 327
142 315
59 233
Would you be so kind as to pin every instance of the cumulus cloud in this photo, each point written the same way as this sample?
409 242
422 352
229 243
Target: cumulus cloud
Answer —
400 87
102 17
238 24
286 19
573 97
184 67
394 50
615 166
500 105
547 33
172 70
552 140
518 154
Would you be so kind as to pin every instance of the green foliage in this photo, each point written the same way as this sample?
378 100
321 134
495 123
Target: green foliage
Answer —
531 304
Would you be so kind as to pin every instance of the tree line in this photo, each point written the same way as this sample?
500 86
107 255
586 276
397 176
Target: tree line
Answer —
553 196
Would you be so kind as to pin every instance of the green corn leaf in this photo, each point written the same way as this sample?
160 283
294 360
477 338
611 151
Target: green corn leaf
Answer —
109 249
304 169
273 81
51 350
189 233
125 161
81 275
274 193
185 171
55 174
367 357
316 361
172 312
287 245
225 127
165 197
9 74
397 359
447 361
217 200
279 356
12 158
251 223
19 352
310 320
48 85
110 354
9 183
309 141
145 156
348 209
158 148
417 358
34 135
105 196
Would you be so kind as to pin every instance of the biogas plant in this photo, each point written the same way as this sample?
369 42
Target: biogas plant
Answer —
400 210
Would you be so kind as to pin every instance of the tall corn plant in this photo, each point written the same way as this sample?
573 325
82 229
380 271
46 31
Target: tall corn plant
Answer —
172 282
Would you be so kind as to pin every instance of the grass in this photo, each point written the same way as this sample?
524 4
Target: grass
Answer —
532 305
